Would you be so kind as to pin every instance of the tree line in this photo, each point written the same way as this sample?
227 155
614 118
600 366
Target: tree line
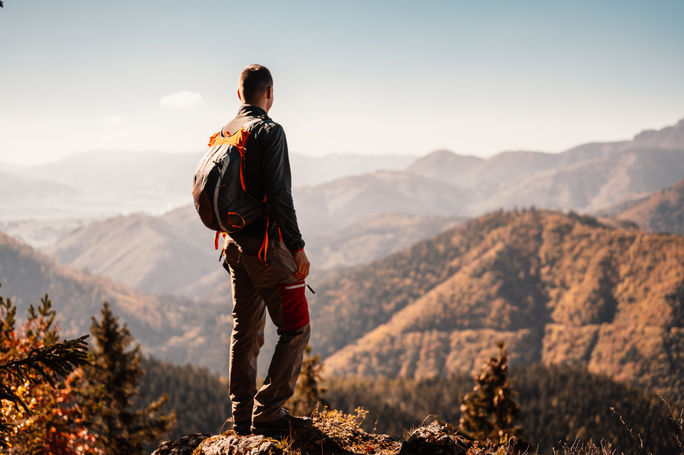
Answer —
557 404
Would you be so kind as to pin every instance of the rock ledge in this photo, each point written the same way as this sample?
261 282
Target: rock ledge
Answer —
333 433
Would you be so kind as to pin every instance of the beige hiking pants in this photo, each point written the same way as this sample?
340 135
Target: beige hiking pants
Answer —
258 287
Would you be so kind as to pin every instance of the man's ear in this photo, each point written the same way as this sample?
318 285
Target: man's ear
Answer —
239 95
269 94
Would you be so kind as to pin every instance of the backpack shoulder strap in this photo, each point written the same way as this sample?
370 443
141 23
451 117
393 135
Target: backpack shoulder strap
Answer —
244 126
249 124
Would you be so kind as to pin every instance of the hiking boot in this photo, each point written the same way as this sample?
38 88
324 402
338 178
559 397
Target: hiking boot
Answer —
241 428
284 425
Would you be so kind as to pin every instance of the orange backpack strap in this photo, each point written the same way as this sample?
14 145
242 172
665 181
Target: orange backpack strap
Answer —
216 239
263 251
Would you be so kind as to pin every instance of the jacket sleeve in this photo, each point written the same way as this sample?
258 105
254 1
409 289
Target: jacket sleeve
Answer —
278 186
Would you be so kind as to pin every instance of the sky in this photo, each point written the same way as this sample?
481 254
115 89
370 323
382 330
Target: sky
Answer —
366 77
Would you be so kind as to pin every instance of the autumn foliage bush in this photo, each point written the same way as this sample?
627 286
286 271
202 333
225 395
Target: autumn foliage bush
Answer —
45 417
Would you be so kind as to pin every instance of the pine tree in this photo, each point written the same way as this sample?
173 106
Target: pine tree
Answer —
109 388
38 408
308 392
490 410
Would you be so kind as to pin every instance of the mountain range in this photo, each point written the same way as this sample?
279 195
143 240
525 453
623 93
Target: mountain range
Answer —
359 218
556 288
337 190
403 288
106 183
174 253
585 178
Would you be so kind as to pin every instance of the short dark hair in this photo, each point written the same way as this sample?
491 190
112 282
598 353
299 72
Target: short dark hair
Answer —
254 81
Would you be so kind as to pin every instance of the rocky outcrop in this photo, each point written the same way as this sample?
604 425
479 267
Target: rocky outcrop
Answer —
334 433
435 439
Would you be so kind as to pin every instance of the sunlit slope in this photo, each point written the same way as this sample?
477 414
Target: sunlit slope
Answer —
662 211
556 288
159 254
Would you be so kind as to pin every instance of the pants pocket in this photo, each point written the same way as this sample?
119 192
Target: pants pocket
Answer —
295 307
231 255
283 257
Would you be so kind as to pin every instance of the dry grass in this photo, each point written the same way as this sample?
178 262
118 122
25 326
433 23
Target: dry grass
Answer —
589 448
677 417
345 432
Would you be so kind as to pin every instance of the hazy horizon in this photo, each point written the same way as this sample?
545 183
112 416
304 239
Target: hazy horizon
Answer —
416 155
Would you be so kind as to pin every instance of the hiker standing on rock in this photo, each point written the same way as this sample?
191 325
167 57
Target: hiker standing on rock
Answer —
265 258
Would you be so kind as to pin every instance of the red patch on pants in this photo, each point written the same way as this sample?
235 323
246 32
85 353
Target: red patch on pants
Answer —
295 308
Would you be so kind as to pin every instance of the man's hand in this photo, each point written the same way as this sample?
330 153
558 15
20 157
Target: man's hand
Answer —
302 264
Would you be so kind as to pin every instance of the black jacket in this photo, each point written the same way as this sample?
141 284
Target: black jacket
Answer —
267 173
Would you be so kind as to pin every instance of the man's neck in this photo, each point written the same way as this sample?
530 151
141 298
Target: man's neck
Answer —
263 105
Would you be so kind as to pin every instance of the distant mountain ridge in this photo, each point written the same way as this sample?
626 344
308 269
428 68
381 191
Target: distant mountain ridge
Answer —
109 183
662 211
314 170
556 288
18 193
669 138
329 206
586 178
174 254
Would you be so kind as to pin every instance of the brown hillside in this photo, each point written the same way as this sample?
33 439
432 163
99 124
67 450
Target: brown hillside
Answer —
159 254
171 328
660 212
556 288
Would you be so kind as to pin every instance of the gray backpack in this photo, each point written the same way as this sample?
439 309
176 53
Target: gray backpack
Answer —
219 189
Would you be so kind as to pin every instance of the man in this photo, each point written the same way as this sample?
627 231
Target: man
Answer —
267 265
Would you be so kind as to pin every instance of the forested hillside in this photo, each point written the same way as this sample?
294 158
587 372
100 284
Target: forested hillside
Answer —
198 397
556 404
556 288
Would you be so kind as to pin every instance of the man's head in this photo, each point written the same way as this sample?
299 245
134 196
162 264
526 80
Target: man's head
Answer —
256 87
